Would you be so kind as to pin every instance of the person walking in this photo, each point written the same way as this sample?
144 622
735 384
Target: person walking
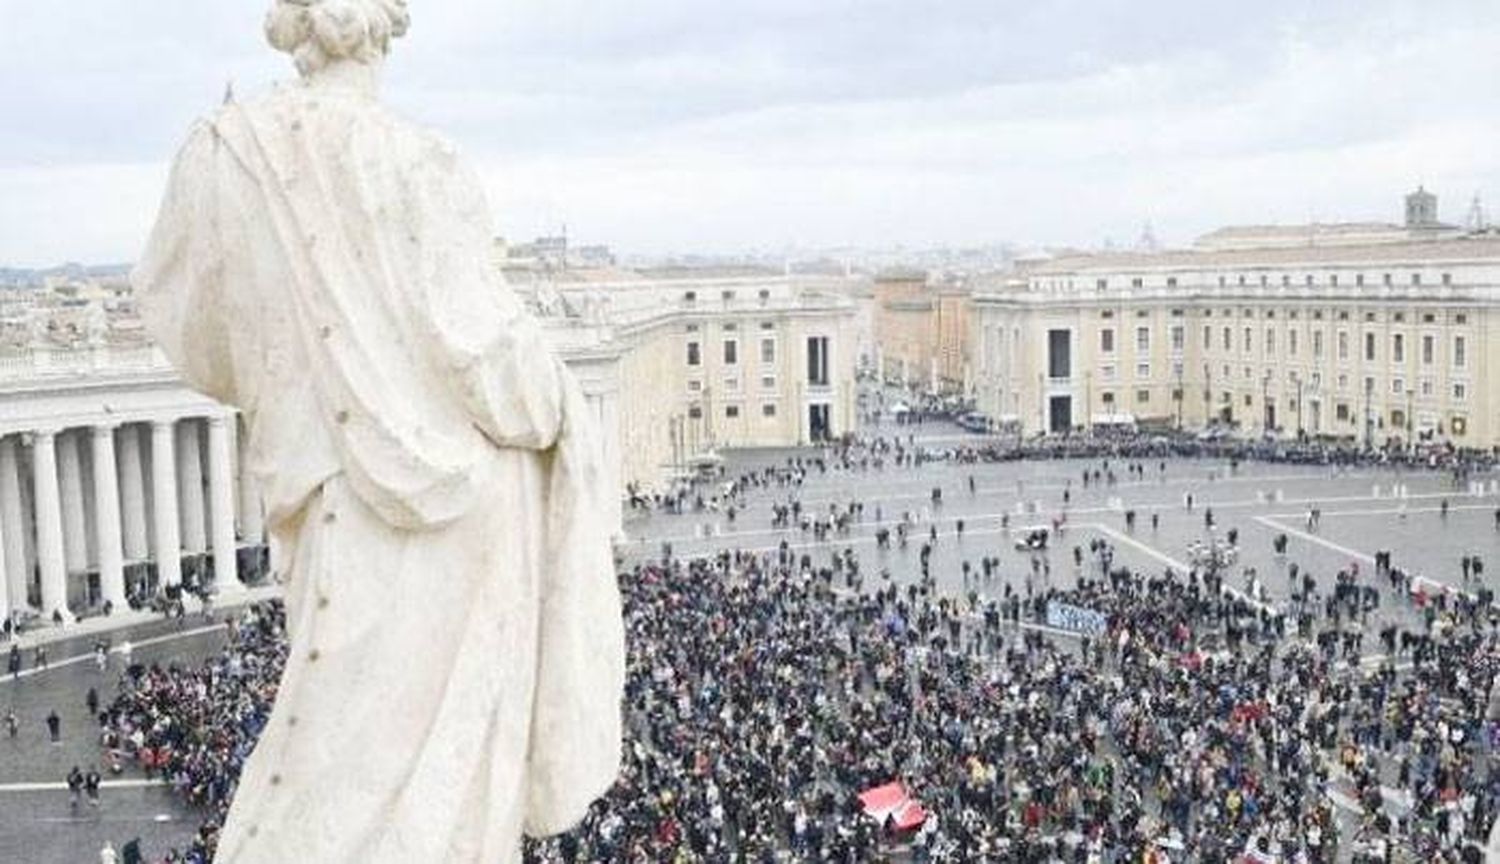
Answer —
91 782
54 727
75 787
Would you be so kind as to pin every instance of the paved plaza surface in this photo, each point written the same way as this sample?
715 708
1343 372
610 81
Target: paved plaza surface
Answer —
1362 511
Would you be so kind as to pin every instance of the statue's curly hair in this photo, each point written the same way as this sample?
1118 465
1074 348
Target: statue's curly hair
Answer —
318 32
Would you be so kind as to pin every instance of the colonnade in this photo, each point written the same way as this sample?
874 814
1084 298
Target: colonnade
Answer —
85 511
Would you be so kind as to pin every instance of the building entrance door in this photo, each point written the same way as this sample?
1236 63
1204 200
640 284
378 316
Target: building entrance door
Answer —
1060 414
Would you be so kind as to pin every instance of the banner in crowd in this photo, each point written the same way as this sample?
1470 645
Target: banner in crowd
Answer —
1076 619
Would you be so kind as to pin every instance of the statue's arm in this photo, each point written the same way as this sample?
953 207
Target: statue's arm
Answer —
178 281
494 351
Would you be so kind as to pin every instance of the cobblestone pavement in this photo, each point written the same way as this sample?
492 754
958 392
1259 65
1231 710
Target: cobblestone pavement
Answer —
1359 517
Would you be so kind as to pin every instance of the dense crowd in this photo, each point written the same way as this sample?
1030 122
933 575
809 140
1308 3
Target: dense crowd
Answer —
764 696
766 690
193 726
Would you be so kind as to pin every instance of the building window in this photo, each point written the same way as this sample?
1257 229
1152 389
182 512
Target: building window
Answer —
1137 282
768 350
731 412
694 354
731 352
695 412
1333 280
1107 372
1142 339
1270 341
1429 348
1101 284
1142 397
689 296
1171 281
1385 279
732 384
695 386
1208 337
1107 341
1341 412
1143 370
726 295
1228 340
768 382
1359 280
1108 398
817 361
1398 386
1460 352
1318 344
1416 278
1286 280
1369 347
1426 387
1291 342
768 410
1398 348
1460 392
1249 336
1179 338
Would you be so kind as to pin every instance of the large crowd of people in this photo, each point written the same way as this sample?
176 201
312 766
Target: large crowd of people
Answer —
193 726
766 690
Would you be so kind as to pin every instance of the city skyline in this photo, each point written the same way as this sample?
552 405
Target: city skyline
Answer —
661 130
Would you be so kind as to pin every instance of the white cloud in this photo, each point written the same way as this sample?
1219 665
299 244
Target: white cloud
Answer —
668 125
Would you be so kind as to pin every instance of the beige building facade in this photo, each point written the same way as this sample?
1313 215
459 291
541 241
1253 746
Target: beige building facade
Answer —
922 331
1389 338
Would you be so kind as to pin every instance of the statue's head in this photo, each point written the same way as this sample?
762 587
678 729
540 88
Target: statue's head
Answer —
321 32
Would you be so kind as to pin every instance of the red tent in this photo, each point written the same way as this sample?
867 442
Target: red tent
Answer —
882 801
893 801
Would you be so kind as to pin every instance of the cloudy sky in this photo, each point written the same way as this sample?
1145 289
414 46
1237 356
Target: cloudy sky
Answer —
679 125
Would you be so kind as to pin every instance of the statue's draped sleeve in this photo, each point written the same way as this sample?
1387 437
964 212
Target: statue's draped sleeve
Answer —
179 279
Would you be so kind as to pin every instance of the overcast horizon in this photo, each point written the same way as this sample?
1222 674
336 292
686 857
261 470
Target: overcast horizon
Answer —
669 127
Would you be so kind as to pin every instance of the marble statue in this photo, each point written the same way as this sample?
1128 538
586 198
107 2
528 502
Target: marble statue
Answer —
431 476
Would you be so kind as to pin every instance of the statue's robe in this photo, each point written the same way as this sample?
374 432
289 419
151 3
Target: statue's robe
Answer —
432 489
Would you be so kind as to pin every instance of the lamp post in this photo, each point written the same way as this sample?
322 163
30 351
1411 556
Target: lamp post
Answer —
1297 382
1410 421
1266 409
1208 389
1088 401
1369 423
1178 394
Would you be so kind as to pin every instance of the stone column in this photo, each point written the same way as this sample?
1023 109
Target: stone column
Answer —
75 523
13 517
168 549
107 518
609 435
51 558
133 495
221 504
8 572
190 487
